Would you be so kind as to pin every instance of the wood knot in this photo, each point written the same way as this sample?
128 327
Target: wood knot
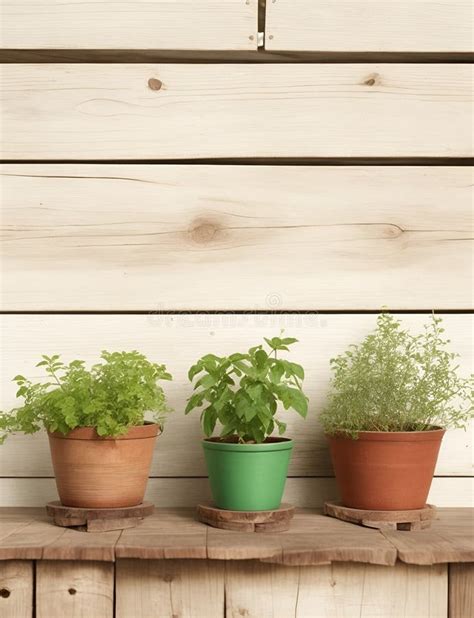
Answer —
167 578
4 593
72 591
373 79
392 230
154 84
203 231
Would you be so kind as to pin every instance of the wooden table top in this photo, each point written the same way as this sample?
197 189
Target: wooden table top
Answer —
28 534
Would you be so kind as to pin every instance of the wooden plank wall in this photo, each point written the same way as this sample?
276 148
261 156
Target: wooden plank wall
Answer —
201 588
188 202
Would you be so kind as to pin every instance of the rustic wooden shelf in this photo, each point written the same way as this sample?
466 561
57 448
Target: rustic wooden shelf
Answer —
29 534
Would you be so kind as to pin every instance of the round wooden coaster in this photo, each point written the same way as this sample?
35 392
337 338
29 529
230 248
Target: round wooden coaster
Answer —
417 519
277 520
98 520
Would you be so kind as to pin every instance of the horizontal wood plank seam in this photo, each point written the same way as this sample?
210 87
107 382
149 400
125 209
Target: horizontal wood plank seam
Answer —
255 161
260 56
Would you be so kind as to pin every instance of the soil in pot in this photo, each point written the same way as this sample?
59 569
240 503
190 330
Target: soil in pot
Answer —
95 472
247 477
385 471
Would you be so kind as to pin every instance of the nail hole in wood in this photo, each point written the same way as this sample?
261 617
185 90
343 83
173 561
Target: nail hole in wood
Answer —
72 591
154 84
4 593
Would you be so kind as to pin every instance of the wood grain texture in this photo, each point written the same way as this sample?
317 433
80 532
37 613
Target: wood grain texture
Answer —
450 539
136 237
179 340
461 590
129 24
344 590
169 533
107 111
312 539
79 589
16 589
28 542
78 545
369 25
163 588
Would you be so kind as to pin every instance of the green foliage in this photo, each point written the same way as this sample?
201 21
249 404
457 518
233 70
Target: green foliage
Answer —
395 381
247 409
112 396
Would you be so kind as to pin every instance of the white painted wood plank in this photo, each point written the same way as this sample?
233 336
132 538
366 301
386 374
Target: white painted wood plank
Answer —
168 492
135 237
370 25
179 340
129 24
108 111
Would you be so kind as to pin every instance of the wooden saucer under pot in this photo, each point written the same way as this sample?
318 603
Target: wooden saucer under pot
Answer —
98 520
417 519
276 520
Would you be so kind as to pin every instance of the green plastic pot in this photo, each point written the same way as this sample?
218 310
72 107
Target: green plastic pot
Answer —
247 477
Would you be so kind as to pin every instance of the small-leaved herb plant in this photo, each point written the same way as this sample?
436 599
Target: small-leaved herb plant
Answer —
112 396
396 381
241 392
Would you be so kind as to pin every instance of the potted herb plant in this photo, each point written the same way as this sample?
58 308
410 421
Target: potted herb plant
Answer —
247 465
101 444
393 396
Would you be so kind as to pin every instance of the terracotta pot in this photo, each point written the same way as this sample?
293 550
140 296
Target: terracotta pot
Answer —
385 471
97 472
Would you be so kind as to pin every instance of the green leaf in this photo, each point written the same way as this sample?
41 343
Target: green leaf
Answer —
289 340
194 370
261 357
299 402
195 401
206 381
276 372
208 420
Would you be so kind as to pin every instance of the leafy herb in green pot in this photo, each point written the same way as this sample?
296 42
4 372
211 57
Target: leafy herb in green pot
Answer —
393 396
101 444
247 466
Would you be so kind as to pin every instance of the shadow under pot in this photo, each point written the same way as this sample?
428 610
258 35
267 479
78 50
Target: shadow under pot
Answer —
385 471
247 477
96 472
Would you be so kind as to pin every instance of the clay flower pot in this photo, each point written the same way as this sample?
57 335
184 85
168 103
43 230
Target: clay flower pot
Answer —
386 471
95 472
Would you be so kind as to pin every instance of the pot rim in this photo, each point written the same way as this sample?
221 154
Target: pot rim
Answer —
427 435
276 444
136 432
